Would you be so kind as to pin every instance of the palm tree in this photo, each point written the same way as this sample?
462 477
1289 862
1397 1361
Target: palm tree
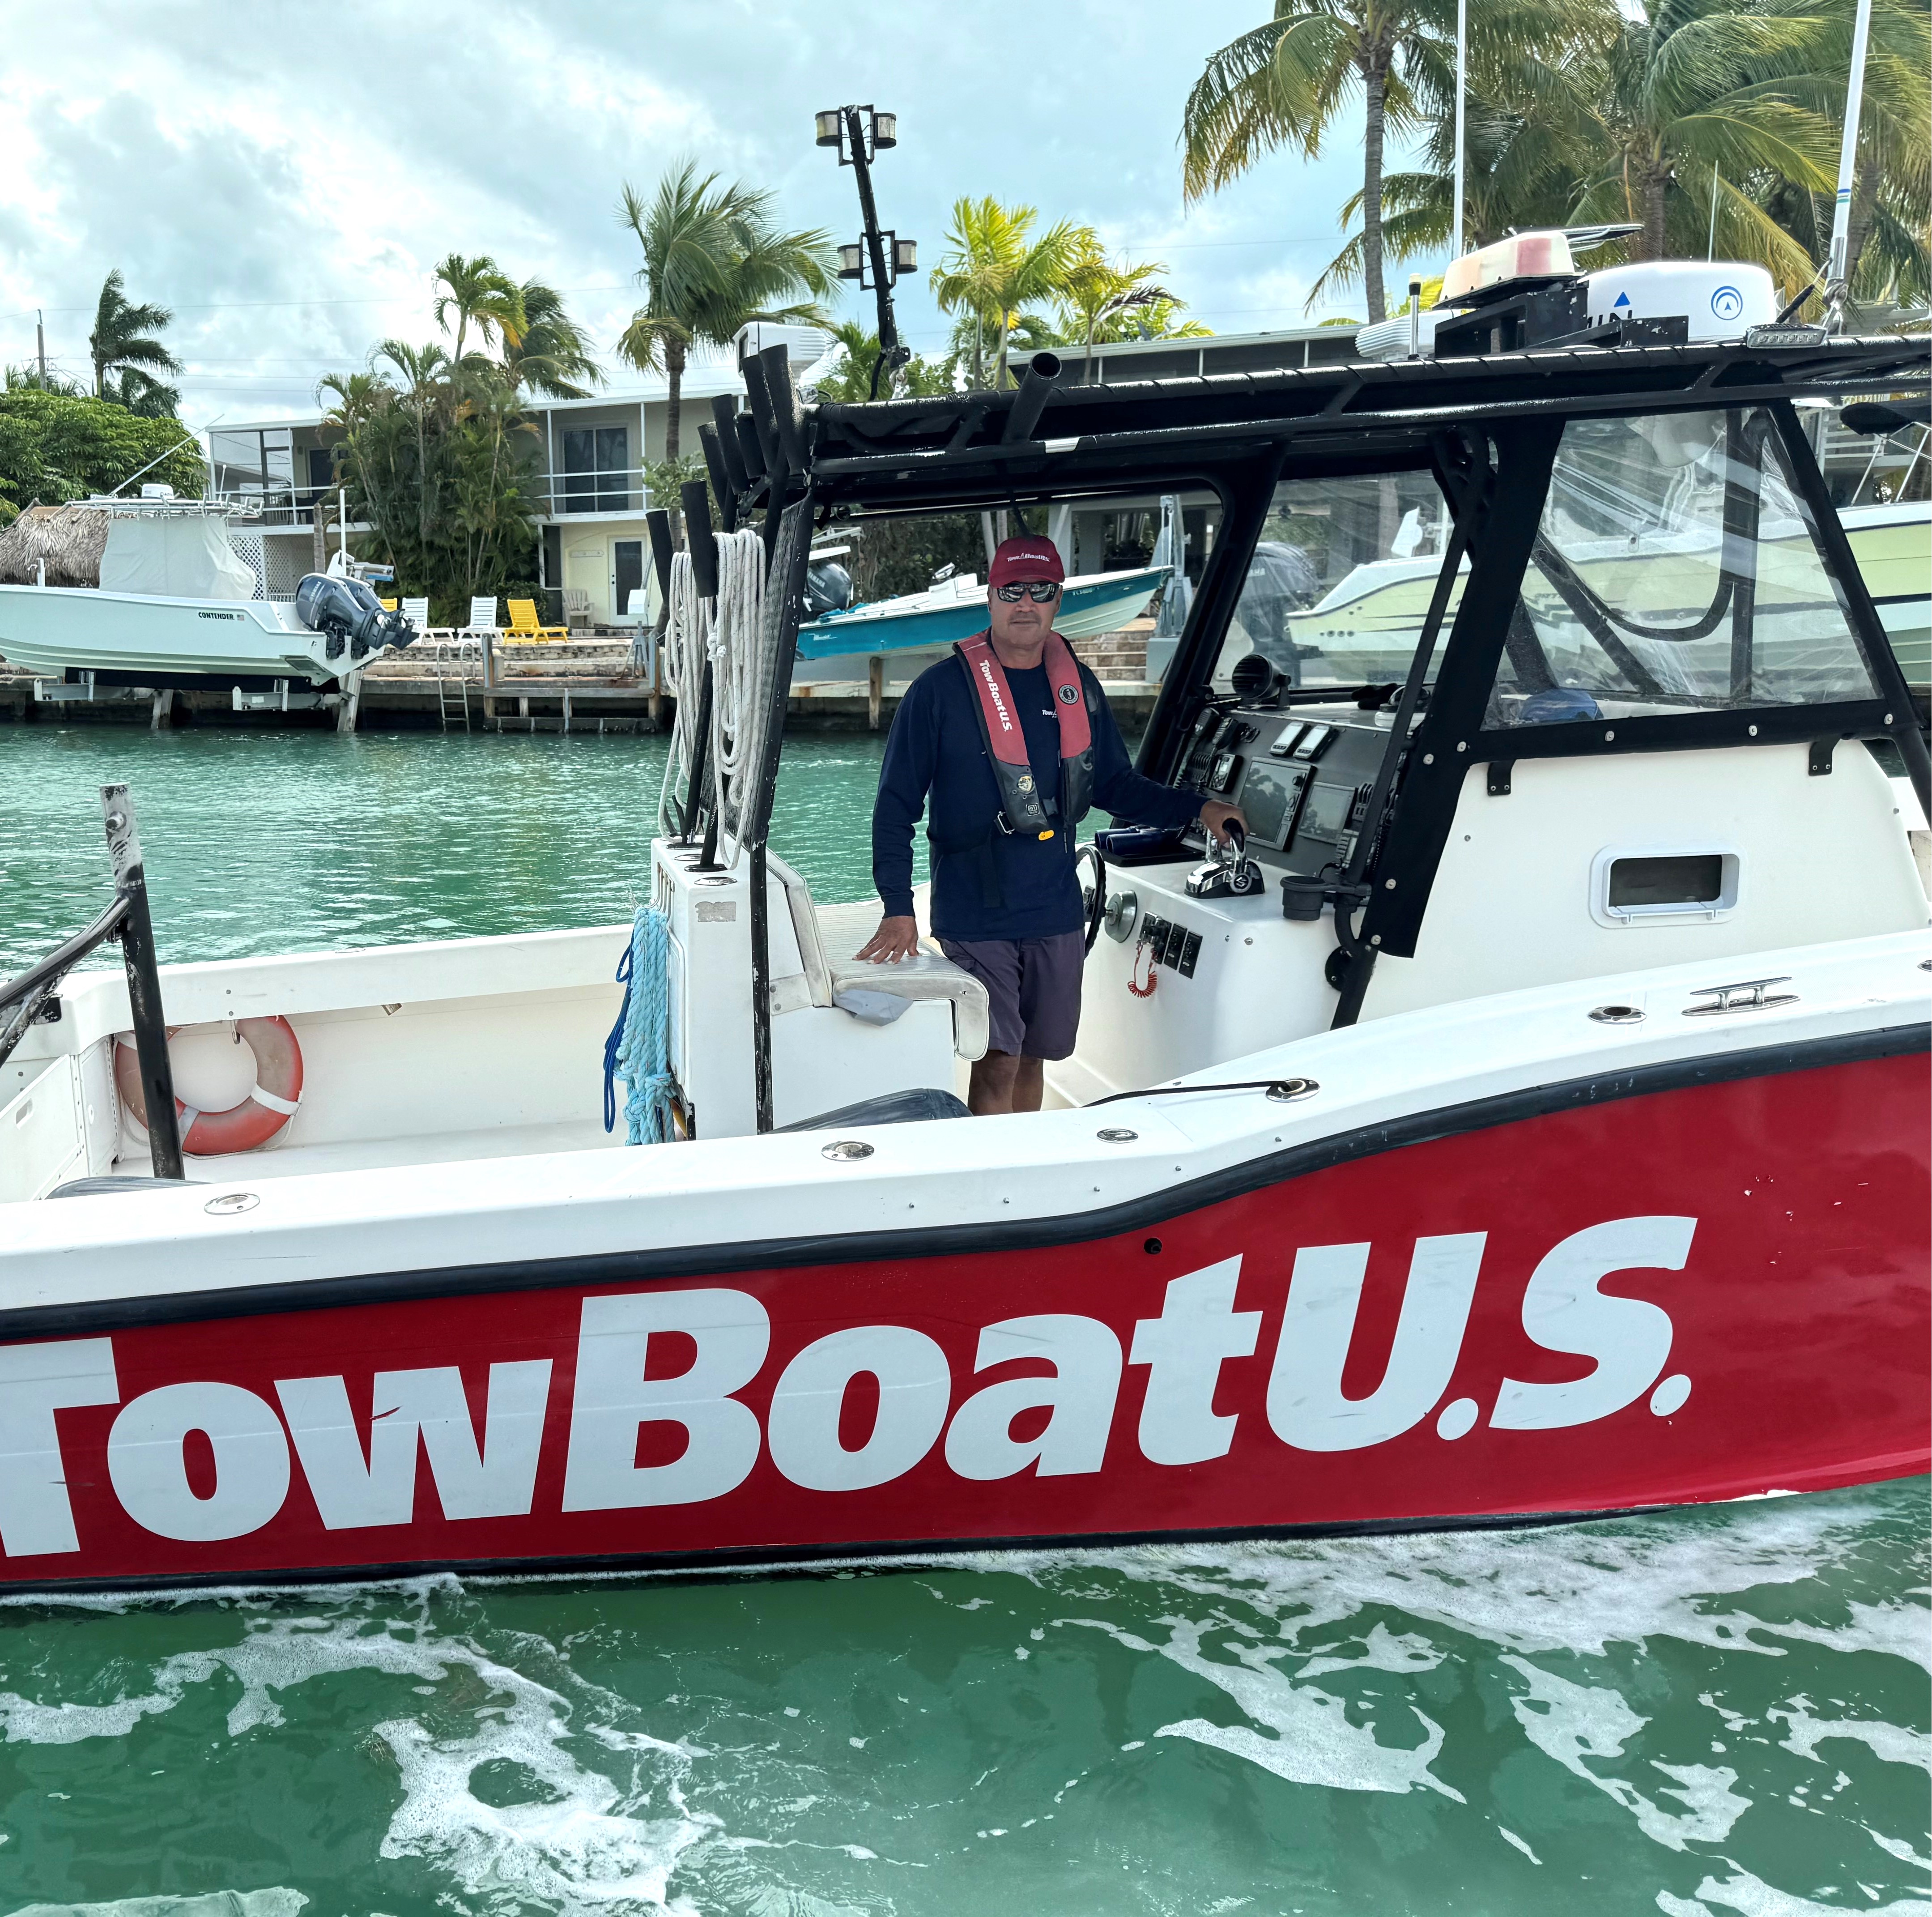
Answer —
426 391
1095 293
1690 89
851 381
995 267
123 340
715 259
1283 84
482 295
1892 184
552 354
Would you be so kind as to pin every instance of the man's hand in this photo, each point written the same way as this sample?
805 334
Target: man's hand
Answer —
896 939
1214 816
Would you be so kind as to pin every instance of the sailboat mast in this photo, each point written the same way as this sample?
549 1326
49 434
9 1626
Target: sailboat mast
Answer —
1835 288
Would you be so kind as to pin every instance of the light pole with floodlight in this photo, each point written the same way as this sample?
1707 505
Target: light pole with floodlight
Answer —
860 134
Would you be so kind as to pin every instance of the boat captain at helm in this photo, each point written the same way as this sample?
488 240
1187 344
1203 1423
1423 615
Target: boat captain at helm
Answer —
1005 746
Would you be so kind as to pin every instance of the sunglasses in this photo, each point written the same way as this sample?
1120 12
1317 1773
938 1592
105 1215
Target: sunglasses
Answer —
1042 592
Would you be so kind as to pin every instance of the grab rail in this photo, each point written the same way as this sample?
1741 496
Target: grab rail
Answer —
24 1000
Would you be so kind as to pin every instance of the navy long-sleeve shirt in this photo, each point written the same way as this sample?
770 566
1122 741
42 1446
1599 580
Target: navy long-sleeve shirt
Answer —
936 763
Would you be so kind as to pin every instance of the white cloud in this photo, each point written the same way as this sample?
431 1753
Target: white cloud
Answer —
236 161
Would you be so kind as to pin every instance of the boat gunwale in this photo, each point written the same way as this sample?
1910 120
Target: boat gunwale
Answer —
681 1261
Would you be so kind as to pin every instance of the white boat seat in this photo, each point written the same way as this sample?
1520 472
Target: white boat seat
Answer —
828 937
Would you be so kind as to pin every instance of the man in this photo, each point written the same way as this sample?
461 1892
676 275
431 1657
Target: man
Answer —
1005 745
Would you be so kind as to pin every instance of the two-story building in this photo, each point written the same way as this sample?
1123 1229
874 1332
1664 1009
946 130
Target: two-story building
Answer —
587 485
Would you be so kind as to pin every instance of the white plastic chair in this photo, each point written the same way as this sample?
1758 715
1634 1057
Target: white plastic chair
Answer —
483 616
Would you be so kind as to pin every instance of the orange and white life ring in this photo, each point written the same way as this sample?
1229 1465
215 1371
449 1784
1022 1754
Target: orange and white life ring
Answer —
270 1102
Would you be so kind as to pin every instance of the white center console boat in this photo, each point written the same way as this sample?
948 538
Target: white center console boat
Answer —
177 608
1531 1121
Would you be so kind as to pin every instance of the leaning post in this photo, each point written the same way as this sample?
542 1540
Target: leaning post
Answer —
144 981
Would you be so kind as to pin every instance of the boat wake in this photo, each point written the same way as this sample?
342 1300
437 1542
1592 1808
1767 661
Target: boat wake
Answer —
1700 1712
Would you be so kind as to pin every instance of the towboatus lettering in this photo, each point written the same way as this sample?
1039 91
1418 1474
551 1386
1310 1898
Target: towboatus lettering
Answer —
992 680
694 1397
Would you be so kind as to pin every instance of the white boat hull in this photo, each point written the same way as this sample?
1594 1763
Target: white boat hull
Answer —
50 630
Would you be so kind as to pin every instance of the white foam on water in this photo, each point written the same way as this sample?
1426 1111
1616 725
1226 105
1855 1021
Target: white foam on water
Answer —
1891 1742
1306 1736
276 1902
1584 1727
1754 1897
592 1843
1510 1837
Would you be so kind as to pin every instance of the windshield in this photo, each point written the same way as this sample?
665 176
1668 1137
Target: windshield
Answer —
1676 569
1340 579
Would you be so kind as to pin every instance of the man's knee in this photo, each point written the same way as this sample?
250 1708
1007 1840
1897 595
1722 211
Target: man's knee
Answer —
998 1069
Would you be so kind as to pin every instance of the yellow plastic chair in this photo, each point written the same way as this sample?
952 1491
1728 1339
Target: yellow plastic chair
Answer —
524 622
388 605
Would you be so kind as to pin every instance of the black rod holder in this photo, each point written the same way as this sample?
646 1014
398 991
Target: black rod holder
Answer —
721 479
751 454
699 536
1030 402
759 393
725 417
790 427
663 545
144 982
788 538
694 797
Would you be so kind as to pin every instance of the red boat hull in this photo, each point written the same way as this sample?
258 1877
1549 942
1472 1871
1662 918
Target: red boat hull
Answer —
1693 1294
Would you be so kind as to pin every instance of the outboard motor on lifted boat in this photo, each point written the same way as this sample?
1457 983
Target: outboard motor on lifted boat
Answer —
351 615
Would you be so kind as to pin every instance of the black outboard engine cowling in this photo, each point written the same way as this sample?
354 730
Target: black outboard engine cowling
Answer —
351 615
828 588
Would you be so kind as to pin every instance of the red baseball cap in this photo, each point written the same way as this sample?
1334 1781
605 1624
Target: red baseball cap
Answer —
1028 557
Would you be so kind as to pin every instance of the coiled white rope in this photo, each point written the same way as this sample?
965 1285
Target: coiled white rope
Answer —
737 704
687 636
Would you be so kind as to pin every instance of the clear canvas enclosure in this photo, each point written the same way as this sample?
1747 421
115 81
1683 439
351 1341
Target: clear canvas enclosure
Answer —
1340 579
1676 569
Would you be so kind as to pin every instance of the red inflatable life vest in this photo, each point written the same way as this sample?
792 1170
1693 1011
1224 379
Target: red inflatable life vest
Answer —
1021 808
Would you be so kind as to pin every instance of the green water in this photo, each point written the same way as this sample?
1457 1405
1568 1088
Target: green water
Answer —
1706 1712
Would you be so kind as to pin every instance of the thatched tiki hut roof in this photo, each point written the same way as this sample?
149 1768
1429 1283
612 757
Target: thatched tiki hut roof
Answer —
69 540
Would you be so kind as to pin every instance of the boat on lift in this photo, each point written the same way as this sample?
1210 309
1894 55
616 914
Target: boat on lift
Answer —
1529 1121
177 606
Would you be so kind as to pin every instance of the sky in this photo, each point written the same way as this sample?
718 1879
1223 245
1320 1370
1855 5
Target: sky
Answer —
285 178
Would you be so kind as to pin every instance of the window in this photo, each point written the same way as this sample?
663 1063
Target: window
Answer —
1648 886
1676 570
1340 580
596 468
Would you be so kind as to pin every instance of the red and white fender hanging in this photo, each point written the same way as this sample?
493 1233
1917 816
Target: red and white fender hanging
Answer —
270 1102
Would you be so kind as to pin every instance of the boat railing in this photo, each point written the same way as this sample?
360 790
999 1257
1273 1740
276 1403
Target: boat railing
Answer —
32 998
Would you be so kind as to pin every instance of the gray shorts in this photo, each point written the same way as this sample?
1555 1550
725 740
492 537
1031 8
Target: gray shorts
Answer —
1033 986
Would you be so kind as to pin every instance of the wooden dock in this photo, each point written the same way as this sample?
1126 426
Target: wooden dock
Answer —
598 682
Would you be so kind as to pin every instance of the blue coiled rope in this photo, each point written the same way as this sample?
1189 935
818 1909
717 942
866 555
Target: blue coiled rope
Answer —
638 1050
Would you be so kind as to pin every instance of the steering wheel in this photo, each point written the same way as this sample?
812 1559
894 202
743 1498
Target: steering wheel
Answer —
1092 898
